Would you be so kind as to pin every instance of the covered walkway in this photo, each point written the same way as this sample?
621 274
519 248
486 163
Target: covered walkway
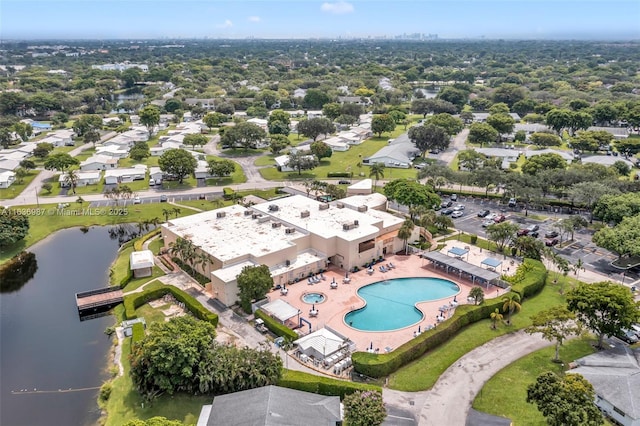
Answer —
464 269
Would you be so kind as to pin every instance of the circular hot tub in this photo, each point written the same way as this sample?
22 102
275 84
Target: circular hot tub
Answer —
313 298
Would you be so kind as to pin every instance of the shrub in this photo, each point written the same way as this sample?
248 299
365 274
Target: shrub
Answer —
473 238
105 391
166 263
228 193
529 279
338 174
139 242
155 291
275 327
125 280
321 385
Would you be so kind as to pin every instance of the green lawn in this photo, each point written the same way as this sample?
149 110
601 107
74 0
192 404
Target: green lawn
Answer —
16 188
346 161
424 372
51 221
120 269
156 245
505 394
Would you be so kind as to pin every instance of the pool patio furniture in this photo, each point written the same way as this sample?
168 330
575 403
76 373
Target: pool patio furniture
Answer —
370 271
334 285
392 266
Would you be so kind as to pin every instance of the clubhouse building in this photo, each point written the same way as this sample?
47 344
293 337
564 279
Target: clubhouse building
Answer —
294 236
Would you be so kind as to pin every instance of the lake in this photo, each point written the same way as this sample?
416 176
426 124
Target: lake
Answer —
44 345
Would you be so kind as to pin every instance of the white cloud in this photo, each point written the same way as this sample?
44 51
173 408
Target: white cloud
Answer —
254 18
338 8
227 24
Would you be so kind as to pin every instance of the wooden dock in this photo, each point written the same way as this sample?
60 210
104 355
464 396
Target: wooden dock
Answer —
98 300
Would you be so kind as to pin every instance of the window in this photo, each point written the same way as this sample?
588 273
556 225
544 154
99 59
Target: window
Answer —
366 245
619 411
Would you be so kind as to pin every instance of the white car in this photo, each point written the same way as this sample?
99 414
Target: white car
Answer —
137 200
456 214
458 208
490 216
488 223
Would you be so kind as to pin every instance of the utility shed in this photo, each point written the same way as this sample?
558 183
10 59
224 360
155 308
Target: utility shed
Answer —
141 263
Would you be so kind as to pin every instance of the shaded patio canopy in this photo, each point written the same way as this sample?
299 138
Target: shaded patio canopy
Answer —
460 265
457 251
280 310
490 261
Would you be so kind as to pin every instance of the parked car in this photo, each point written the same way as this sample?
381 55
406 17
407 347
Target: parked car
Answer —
499 218
512 202
163 198
202 197
457 213
344 182
522 232
458 208
446 204
551 234
552 242
454 197
483 213
627 336
487 223
137 200
534 234
447 211
532 228
491 216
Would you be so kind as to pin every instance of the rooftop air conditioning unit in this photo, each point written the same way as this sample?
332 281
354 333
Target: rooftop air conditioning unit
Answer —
248 212
263 219
362 208
276 225
289 230
273 208
346 226
340 205
356 223
305 213
255 215
221 214
288 263
323 206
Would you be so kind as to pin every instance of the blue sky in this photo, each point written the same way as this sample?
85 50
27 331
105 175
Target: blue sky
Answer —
530 19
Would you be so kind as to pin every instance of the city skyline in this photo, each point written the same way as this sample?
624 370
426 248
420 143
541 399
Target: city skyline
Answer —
144 19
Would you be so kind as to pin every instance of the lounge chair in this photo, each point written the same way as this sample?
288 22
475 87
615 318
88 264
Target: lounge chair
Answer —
309 281
370 271
383 269
334 285
322 277
391 265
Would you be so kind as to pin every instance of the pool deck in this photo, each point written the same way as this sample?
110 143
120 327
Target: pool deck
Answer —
344 299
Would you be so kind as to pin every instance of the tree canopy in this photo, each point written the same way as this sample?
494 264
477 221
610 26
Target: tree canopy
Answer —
482 133
60 161
604 307
549 161
565 401
245 135
381 123
622 239
178 163
314 127
364 408
299 161
149 117
321 150
410 193
253 282
429 137
556 323
13 227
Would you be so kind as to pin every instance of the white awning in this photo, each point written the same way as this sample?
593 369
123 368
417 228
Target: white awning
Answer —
280 310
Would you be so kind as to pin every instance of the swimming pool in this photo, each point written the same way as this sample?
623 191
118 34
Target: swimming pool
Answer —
312 298
391 303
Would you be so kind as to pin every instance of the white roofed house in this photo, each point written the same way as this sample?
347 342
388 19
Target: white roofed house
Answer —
59 138
99 162
6 178
156 174
293 236
337 143
399 155
282 162
202 170
13 154
8 165
125 175
84 178
114 151
507 156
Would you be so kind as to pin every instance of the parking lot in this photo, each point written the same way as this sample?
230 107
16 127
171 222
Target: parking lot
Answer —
595 258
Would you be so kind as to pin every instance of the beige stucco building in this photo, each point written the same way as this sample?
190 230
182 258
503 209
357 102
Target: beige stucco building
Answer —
294 236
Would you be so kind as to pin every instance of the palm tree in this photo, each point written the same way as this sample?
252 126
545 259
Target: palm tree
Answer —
176 248
579 265
405 231
71 178
166 213
205 261
478 295
176 211
376 172
495 317
511 304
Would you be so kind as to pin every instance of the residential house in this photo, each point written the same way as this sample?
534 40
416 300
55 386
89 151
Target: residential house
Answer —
6 178
27 148
398 155
135 119
38 127
363 187
202 170
615 377
362 132
567 156
125 175
617 132
208 104
507 156
59 138
282 162
112 151
261 122
99 162
299 93
156 174
187 116
531 128
272 405
158 150
84 178
481 117
108 120
359 100
8 165
337 143
13 154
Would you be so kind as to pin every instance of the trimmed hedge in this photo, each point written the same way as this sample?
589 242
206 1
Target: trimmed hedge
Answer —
137 332
275 327
529 279
124 281
139 242
321 385
339 174
156 290
378 365
228 193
